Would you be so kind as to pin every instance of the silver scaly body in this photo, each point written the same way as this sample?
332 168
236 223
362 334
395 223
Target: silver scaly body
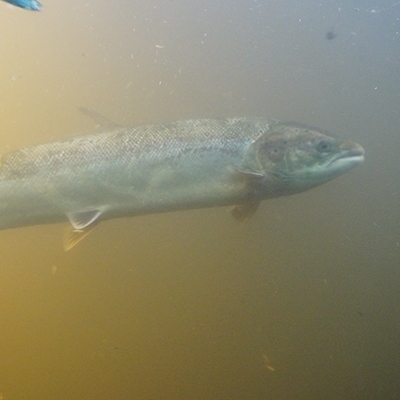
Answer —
136 170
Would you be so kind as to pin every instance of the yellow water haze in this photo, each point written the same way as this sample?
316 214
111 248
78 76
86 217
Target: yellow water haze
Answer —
302 302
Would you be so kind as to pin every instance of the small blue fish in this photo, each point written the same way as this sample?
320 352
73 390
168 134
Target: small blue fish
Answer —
27 4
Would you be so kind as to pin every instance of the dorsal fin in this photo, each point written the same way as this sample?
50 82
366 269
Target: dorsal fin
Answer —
100 120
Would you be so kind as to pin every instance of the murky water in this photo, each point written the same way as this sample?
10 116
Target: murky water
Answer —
301 303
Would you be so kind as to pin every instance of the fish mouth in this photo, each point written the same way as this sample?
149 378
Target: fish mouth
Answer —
352 156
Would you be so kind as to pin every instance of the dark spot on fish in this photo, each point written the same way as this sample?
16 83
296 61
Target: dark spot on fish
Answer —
273 148
330 35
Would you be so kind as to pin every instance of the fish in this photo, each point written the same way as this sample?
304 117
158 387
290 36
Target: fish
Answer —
26 4
119 171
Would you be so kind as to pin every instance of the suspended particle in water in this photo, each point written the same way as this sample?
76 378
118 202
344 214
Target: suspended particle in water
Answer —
330 35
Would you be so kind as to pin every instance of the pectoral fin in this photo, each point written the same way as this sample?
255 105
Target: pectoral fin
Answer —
81 219
73 236
248 175
243 212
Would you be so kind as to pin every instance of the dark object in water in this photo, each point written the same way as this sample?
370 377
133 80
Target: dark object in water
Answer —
330 35
26 4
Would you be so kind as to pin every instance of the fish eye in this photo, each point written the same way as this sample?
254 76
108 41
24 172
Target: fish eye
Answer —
324 146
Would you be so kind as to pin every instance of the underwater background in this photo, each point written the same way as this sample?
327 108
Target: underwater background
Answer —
301 303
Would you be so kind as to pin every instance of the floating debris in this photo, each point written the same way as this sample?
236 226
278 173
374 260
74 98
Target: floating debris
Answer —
330 35
268 363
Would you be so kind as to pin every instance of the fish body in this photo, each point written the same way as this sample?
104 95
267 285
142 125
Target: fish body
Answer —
136 170
26 4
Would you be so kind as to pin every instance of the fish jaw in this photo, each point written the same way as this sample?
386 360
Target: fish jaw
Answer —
351 155
348 156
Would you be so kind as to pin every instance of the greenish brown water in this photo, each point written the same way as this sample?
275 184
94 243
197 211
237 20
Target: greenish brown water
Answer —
303 302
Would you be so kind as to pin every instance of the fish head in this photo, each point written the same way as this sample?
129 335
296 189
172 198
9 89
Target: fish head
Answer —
295 157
